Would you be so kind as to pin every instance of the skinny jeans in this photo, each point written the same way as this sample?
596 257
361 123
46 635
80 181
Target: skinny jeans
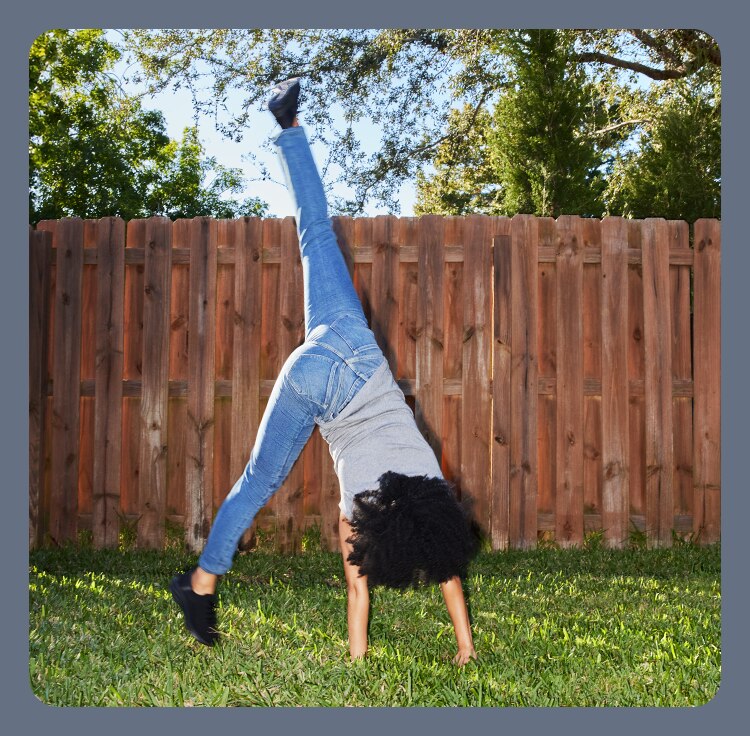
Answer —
320 377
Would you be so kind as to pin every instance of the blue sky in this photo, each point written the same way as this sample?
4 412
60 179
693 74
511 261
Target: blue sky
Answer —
176 105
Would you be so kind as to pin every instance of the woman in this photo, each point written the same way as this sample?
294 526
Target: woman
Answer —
400 523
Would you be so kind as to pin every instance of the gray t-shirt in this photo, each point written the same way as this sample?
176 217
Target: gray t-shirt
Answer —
375 433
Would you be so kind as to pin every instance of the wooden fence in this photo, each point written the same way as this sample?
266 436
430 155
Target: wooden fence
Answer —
555 366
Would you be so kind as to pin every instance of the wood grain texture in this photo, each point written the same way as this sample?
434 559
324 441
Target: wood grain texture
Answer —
247 237
592 369
110 298
152 485
547 370
135 238
615 430
199 445
523 389
636 372
384 286
569 430
179 309
476 416
682 370
658 393
707 368
430 328
287 503
501 382
40 266
66 378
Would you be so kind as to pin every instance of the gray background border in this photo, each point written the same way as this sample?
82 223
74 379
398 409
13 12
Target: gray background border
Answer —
23 22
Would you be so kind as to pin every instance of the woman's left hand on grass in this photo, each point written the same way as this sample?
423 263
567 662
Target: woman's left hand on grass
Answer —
463 656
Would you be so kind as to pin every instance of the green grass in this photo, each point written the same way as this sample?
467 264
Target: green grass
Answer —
585 627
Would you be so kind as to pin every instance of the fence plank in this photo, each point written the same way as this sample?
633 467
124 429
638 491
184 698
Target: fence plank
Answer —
110 295
179 310
152 487
66 378
362 267
288 502
453 318
224 349
247 237
88 368
501 382
547 372
408 299
658 383
199 445
40 266
135 237
524 375
707 367
430 338
384 290
636 372
476 421
569 429
682 370
615 431
592 369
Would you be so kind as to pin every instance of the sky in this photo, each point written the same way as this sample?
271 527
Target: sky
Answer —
176 105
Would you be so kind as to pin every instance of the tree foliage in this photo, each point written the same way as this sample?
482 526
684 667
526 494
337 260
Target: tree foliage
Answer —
429 92
532 154
95 152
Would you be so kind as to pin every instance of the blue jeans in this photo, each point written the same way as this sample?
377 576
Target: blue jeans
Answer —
319 378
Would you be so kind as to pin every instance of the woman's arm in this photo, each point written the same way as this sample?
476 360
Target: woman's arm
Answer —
453 595
357 596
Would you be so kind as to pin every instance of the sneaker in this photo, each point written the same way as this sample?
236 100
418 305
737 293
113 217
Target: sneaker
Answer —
199 610
283 101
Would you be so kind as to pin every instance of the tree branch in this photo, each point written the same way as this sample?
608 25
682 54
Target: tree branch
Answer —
616 126
657 74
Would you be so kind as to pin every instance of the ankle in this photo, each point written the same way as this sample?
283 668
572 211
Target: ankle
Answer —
202 582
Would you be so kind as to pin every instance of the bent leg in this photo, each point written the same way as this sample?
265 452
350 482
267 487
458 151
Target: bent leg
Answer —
286 426
329 291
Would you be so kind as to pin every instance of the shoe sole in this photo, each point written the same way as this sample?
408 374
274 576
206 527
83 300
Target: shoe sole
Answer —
179 598
281 103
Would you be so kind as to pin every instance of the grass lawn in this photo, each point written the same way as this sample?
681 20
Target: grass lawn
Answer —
588 627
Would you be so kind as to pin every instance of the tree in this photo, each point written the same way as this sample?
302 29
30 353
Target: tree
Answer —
675 171
95 152
407 82
534 153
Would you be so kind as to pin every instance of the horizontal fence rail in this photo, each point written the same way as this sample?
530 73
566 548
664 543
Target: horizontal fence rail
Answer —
565 372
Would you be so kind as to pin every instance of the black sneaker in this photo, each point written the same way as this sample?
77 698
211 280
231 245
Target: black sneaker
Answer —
283 101
199 610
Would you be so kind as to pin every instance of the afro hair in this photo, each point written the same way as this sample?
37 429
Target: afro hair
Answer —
411 530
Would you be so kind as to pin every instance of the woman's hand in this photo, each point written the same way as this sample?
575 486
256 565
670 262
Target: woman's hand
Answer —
463 656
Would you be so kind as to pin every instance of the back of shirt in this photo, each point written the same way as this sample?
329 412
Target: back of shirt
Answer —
375 433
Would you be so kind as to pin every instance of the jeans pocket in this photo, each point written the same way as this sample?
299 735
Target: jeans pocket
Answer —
313 376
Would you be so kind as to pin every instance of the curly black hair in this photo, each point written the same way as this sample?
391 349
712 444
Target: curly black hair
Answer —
411 530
